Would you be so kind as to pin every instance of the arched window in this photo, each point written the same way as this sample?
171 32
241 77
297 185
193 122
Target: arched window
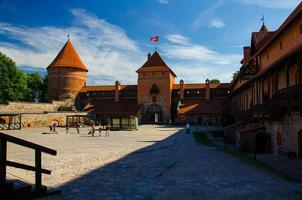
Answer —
154 89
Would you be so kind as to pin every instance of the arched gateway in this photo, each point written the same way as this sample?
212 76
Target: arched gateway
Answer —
154 113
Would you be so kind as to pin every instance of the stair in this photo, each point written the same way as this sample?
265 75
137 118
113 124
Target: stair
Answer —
17 190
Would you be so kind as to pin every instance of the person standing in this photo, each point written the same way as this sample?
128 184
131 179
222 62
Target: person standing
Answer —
54 128
67 128
92 129
188 127
107 130
78 128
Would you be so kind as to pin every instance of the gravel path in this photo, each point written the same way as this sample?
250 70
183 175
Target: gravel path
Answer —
173 167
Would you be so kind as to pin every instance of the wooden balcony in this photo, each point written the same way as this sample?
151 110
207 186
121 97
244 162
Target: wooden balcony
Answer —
285 100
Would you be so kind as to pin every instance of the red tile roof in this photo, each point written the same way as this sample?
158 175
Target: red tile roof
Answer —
289 19
68 57
203 85
155 60
123 108
107 88
201 106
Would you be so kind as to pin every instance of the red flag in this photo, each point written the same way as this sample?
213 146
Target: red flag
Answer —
154 39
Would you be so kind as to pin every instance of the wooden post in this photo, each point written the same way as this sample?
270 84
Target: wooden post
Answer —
38 170
3 149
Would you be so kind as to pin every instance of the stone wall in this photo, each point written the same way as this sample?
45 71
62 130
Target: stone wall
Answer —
29 107
288 130
46 119
38 114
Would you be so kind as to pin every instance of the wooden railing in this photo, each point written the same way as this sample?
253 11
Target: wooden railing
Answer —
286 99
4 139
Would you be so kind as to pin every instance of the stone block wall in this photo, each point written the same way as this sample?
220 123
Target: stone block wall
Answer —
288 130
46 119
29 107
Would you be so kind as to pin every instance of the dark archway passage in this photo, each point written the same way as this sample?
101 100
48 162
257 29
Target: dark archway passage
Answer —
154 113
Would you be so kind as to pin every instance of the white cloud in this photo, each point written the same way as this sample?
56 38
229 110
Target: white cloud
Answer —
163 1
217 23
109 53
104 48
197 62
280 4
203 17
178 39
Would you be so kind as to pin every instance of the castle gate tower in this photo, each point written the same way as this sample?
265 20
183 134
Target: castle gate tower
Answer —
154 88
66 74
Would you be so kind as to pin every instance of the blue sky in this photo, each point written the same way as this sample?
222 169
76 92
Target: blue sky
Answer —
198 39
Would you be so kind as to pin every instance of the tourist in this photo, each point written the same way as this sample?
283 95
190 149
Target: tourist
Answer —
78 128
92 129
107 130
188 127
54 128
67 128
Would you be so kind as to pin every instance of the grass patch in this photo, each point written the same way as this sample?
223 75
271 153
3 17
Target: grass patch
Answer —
216 133
261 165
202 138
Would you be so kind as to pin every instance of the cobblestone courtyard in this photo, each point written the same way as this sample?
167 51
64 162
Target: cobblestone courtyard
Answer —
151 163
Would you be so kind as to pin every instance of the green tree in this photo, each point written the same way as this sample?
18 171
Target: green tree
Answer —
12 81
35 84
235 74
214 81
18 86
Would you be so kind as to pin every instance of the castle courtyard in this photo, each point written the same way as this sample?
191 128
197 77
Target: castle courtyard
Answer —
154 162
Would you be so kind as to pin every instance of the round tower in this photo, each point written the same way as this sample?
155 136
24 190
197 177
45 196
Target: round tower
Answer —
66 74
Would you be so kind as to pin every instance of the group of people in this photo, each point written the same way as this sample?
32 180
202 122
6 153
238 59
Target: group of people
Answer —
77 128
106 128
52 128
93 129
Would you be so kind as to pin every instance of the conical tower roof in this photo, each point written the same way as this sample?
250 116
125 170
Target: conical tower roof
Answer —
68 57
263 28
155 61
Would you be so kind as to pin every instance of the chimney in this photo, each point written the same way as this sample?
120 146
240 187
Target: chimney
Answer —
117 91
149 55
181 90
246 54
208 92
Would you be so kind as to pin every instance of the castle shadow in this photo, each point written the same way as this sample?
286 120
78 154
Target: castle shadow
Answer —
131 177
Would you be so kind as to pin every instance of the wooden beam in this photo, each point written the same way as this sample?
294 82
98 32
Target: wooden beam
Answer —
27 144
26 167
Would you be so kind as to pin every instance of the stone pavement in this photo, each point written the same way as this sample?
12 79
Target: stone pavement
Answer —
290 167
178 168
152 163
